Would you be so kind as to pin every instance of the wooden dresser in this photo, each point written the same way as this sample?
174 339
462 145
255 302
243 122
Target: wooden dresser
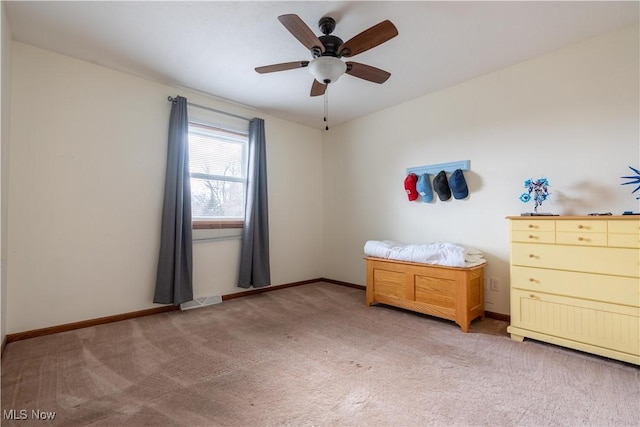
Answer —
575 282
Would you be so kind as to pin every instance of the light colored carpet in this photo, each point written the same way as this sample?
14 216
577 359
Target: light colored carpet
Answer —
310 355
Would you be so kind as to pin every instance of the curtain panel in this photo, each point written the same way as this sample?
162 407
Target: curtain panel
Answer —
254 257
174 279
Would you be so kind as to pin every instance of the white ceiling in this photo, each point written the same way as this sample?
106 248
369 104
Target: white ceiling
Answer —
213 47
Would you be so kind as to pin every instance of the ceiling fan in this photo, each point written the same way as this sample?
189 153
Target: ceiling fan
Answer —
327 67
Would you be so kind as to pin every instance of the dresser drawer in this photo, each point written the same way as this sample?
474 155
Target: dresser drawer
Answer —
583 226
533 236
533 225
600 324
581 238
628 226
624 240
596 287
624 234
614 261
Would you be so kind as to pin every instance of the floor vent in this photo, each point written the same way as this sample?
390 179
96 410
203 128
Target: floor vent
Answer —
201 302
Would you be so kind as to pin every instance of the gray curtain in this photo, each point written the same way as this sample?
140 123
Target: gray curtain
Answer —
174 284
254 258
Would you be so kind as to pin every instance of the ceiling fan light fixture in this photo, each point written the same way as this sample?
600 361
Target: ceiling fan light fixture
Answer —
327 69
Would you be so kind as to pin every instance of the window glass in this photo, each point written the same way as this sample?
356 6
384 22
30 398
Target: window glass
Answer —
217 165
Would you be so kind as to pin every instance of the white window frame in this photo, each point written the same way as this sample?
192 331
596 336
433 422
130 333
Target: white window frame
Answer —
232 136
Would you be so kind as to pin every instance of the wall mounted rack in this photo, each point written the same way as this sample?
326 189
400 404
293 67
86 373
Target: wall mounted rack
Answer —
435 168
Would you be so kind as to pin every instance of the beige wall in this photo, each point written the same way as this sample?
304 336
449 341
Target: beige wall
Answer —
88 149
87 163
571 115
5 107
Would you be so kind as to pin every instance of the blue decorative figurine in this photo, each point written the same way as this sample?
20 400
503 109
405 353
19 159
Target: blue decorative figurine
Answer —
538 190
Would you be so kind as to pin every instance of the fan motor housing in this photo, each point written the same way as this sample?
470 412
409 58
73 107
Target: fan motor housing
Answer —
331 46
331 43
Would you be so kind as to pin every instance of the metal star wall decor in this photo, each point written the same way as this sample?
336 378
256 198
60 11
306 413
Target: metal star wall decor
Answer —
634 179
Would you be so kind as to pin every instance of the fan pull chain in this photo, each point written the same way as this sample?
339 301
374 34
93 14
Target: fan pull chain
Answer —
326 108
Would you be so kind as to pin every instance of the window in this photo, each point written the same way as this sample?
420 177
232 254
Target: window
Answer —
217 165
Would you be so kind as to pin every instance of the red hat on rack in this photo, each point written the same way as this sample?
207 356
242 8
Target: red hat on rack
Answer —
410 186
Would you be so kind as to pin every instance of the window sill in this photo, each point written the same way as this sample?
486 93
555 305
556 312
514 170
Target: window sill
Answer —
217 225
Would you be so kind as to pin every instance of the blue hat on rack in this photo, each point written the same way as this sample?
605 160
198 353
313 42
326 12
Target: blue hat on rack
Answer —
424 188
458 185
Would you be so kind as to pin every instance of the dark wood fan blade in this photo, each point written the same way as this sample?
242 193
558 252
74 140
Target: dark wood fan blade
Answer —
282 67
301 31
318 88
367 72
368 39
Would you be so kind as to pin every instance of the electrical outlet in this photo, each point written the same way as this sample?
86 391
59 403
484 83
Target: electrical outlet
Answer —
494 284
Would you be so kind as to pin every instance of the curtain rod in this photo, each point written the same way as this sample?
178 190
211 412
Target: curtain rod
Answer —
171 99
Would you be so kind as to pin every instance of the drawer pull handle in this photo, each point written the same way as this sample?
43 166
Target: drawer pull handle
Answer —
532 256
532 226
531 236
532 296
580 239
531 279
